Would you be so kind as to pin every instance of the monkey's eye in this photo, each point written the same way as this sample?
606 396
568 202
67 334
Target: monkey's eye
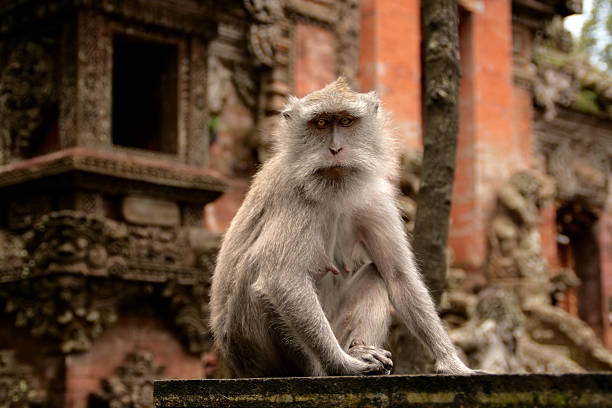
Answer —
322 123
346 121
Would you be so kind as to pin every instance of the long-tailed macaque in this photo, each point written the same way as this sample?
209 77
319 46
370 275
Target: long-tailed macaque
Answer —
286 299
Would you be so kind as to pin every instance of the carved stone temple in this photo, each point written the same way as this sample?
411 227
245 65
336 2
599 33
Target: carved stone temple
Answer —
119 122
130 130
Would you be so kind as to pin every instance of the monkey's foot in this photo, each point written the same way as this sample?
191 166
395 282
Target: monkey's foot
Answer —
453 366
378 360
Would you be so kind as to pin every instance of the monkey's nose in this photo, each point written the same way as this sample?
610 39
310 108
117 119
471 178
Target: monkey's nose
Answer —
335 150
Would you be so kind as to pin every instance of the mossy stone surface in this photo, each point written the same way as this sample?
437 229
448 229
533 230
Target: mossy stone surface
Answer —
508 390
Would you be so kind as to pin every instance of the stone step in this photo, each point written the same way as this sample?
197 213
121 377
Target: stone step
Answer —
500 390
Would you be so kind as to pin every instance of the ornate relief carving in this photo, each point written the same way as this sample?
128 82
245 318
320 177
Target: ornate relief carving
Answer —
576 150
190 309
264 11
159 245
67 310
69 242
580 170
219 77
18 387
347 40
28 96
132 384
22 213
12 255
264 33
515 253
244 80
68 277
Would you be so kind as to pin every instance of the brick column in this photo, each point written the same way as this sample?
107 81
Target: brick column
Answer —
487 150
390 62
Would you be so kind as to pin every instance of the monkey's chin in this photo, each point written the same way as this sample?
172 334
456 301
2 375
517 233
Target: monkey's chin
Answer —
335 172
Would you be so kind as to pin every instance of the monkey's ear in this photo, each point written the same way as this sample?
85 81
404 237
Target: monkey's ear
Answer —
374 101
288 111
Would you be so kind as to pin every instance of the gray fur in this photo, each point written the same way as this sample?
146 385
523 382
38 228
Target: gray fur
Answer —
285 297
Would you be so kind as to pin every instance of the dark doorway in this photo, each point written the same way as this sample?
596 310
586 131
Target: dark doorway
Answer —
144 94
580 252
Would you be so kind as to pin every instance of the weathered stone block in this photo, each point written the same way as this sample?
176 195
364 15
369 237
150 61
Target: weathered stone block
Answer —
147 210
508 390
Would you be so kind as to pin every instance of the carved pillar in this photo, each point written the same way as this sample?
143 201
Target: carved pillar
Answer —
94 68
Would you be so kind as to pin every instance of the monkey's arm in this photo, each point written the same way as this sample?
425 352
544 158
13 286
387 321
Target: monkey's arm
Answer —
380 229
295 299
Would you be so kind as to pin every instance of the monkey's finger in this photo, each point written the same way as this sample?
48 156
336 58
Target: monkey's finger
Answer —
375 369
333 269
386 362
368 358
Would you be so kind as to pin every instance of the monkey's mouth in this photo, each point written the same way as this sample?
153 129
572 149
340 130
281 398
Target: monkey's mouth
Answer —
335 172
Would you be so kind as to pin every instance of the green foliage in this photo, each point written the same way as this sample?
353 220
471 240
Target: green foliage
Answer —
586 101
596 36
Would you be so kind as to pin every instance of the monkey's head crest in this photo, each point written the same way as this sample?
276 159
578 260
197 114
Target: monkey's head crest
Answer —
335 97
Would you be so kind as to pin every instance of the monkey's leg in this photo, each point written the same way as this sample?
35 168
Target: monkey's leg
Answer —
361 321
385 242
363 310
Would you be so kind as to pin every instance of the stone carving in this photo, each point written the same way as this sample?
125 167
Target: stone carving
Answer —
69 242
264 33
159 245
553 87
498 334
552 326
23 213
132 384
219 78
580 170
347 44
514 241
244 80
70 274
490 338
264 11
567 79
18 387
28 96
262 39
68 311
190 309
12 254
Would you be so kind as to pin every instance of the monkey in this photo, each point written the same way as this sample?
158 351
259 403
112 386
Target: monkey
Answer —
317 253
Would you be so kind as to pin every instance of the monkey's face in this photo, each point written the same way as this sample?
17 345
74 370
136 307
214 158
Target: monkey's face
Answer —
333 133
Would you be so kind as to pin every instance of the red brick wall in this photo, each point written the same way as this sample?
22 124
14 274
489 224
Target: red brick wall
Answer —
488 152
84 371
464 243
390 62
314 64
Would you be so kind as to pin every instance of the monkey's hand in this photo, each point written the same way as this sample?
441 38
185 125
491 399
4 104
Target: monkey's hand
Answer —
378 361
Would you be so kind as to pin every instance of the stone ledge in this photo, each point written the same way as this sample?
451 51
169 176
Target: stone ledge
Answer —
504 390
